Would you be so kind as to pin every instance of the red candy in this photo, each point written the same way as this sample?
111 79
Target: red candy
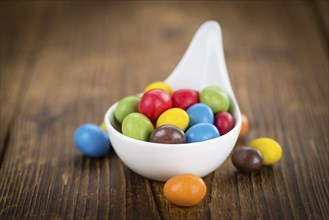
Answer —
184 98
154 102
224 122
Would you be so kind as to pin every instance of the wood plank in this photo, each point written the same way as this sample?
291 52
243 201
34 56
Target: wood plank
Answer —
322 9
89 55
17 53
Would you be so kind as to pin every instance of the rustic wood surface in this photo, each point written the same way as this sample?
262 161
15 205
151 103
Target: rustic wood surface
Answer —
64 63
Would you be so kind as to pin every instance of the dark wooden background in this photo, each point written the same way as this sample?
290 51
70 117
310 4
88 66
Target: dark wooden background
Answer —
64 63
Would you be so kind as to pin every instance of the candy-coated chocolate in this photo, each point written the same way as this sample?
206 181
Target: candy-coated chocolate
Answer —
224 122
91 140
159 85
244 125
201 132
184 98
168 134
154 102
126 106
247 159
185 190
137 126
270 149
216 98
200 113
174 116
103 126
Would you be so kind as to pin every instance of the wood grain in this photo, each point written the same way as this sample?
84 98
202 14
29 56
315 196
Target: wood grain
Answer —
64 63
322 8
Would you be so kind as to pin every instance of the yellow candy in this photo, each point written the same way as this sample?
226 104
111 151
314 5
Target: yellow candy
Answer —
159 85
270 149
103 126
174 116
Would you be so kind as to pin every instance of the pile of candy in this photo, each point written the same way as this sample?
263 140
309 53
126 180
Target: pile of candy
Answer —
162 115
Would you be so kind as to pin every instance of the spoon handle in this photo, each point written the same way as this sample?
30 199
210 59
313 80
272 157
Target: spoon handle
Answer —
203 63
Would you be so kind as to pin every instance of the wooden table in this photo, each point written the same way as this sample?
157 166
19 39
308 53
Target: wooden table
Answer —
64 63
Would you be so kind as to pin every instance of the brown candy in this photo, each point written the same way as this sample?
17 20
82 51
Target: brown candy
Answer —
247 159
168 134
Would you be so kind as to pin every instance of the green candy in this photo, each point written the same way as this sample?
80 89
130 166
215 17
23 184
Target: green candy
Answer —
137 126
215 98
126 106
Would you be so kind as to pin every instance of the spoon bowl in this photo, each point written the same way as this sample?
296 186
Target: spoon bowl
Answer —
202 65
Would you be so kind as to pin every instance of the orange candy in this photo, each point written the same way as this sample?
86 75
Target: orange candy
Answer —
244 125
185 190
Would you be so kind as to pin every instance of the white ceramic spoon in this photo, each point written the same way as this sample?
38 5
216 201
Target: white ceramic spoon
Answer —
202 65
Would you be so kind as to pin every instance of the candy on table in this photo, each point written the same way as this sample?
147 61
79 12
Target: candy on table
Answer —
103 126
91 140
216 98
138 126
247 159
168 134
174 116
154 102
244 125
200 113
269 148
184 98
159 85
185 190
201 132
224 122
126 106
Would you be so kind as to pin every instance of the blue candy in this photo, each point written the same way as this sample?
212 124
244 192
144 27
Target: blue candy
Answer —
91 140
201 132
200 113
